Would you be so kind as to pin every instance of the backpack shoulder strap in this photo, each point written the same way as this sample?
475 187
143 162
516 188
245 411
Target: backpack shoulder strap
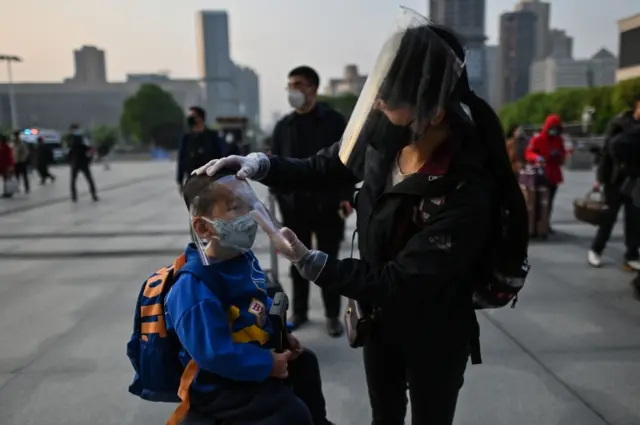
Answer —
151 300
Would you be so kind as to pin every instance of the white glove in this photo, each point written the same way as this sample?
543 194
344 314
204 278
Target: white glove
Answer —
254 166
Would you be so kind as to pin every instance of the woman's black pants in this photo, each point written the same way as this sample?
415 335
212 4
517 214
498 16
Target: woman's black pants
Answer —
432 373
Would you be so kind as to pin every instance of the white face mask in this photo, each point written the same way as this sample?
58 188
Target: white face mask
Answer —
238 234
296 98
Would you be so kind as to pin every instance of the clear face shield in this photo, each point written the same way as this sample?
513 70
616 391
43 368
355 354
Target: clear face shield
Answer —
412 82
226 218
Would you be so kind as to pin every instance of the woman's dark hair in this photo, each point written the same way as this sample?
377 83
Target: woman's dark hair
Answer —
488 130
200 191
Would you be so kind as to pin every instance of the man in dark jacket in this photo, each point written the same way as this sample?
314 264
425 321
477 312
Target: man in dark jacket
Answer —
79 161
612 176
311 127
198 146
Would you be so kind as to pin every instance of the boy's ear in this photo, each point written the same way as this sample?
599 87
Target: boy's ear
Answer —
202 228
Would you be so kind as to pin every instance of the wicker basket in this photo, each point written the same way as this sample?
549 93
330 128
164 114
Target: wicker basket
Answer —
589 210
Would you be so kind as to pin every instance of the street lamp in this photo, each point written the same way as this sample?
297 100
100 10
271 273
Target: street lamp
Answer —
12 97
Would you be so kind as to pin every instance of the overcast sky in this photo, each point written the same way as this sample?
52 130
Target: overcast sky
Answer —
270 36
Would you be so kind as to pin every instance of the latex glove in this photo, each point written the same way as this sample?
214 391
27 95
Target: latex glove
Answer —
309 262
254 166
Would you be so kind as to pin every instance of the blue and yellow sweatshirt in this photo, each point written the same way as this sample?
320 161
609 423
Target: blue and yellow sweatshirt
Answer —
221 318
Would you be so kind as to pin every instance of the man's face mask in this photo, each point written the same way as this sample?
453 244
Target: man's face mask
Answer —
238 234
554 131
191 121
296 98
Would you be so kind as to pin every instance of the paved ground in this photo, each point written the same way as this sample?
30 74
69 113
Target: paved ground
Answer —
69 275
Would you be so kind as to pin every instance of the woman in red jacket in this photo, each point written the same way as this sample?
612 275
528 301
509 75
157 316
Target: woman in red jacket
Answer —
6 162
547 149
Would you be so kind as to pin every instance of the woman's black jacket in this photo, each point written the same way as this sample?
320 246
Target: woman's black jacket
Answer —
424 243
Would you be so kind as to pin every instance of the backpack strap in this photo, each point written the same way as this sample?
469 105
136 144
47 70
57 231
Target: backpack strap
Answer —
186 380
190 371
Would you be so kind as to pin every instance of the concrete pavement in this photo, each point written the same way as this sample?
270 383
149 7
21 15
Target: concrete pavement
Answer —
69 275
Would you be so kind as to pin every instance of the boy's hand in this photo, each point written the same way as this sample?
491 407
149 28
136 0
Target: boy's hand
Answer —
295 345
280 368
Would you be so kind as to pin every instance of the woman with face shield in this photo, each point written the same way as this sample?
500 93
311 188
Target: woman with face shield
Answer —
438 213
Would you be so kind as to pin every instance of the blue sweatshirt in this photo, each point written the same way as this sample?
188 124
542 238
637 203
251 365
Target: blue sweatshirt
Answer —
222 323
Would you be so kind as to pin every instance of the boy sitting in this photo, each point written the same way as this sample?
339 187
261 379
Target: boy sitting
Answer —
223 325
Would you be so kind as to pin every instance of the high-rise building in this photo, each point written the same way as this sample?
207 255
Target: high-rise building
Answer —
216 69
551 74
352 82
467 18
629 66
90 65
493 75
517 53
560 44
247 85
542 11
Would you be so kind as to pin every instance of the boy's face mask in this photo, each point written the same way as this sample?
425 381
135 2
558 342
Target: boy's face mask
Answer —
238 234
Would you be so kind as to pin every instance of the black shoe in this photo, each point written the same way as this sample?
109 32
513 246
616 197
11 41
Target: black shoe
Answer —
334 328
74 199
298 320
95 198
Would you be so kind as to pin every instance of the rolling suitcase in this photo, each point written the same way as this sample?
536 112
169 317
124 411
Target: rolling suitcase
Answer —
536 194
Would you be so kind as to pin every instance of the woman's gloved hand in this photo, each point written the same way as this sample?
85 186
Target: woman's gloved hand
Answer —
254 166
309 262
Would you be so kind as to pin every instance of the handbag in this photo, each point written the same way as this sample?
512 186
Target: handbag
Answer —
590 210
358 324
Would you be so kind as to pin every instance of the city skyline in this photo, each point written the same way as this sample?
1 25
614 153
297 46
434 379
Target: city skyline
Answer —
168 41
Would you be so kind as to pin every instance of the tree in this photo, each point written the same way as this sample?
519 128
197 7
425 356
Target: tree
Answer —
569 104
343 103
104 137
152 115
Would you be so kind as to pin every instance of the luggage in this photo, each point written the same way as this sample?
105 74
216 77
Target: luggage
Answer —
536 194
589 210
11 187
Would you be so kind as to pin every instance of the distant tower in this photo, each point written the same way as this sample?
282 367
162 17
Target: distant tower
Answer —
90 65
216 69
466 17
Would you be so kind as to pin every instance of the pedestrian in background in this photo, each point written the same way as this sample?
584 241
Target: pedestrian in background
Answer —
517 143
547 150
7 165
21 155
79 161
611 175
310 127
43 159
198 145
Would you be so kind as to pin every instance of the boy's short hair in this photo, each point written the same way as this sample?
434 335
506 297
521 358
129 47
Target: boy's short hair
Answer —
201 191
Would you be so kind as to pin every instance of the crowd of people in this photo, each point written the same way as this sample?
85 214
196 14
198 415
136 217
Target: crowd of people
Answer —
18 160
443 199
438 203
546 150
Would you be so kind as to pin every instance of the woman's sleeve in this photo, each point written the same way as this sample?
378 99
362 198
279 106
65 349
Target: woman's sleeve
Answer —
321 172
431 258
